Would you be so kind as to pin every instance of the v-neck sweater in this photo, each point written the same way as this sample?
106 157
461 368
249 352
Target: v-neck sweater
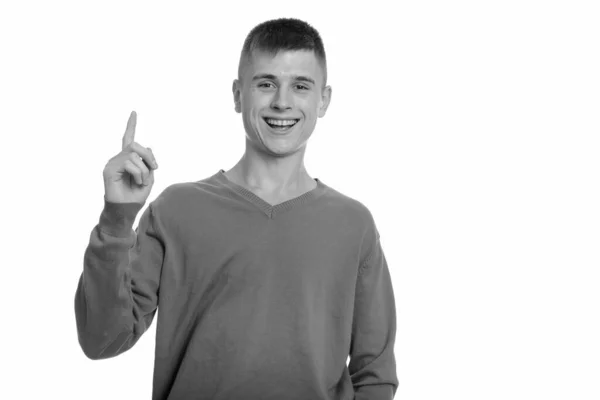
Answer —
254 300
271 210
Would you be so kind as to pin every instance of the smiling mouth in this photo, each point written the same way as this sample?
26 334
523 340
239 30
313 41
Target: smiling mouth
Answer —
280 124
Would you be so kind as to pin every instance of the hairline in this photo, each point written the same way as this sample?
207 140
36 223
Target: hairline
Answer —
246 58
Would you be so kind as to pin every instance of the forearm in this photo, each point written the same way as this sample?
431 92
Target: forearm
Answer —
374 392
110 317
372 360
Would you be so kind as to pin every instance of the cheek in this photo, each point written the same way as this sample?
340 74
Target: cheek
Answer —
311 112
258 98
252 118
311 107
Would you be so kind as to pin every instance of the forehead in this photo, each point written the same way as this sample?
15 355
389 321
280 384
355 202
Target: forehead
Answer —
285 63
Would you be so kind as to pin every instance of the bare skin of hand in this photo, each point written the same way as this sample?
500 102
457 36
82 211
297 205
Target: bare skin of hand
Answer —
129 176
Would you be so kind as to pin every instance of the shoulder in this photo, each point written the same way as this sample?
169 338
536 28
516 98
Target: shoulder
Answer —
183 197
352 214
173 194
352 208
181 193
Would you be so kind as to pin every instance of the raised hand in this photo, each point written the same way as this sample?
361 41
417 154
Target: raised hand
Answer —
129 176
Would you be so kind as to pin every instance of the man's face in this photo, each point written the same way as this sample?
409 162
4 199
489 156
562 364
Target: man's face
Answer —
280 98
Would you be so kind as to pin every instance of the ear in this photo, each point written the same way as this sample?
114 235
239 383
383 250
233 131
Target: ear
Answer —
324 102
237 91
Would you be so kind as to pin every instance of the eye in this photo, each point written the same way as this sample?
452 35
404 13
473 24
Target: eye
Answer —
302 87
265 85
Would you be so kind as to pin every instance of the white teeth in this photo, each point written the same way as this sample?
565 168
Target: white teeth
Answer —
281 122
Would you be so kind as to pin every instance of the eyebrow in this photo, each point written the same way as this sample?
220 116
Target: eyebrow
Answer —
274 78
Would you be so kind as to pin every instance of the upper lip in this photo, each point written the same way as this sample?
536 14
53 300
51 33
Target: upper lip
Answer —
281 118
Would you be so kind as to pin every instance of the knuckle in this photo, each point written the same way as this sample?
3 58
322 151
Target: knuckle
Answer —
133 156
132 147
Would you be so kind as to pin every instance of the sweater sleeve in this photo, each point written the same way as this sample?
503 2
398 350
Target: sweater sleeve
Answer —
117 294
372 365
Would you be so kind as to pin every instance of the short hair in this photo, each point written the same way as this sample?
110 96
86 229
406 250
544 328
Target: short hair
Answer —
284 34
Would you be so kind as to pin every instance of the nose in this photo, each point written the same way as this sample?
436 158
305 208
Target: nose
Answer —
281 100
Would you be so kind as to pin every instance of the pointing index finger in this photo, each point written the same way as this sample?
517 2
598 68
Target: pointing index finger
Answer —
130 131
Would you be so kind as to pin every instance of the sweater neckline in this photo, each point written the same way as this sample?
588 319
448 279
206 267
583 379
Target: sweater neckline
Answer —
271 210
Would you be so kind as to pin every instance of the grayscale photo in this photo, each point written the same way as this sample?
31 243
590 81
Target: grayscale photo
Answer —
301 201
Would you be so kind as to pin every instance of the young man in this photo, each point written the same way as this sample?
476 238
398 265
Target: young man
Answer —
265 279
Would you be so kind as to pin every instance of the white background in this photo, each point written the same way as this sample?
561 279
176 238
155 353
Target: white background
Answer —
470 129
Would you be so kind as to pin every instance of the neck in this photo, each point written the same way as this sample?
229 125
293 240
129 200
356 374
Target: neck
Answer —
272 174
